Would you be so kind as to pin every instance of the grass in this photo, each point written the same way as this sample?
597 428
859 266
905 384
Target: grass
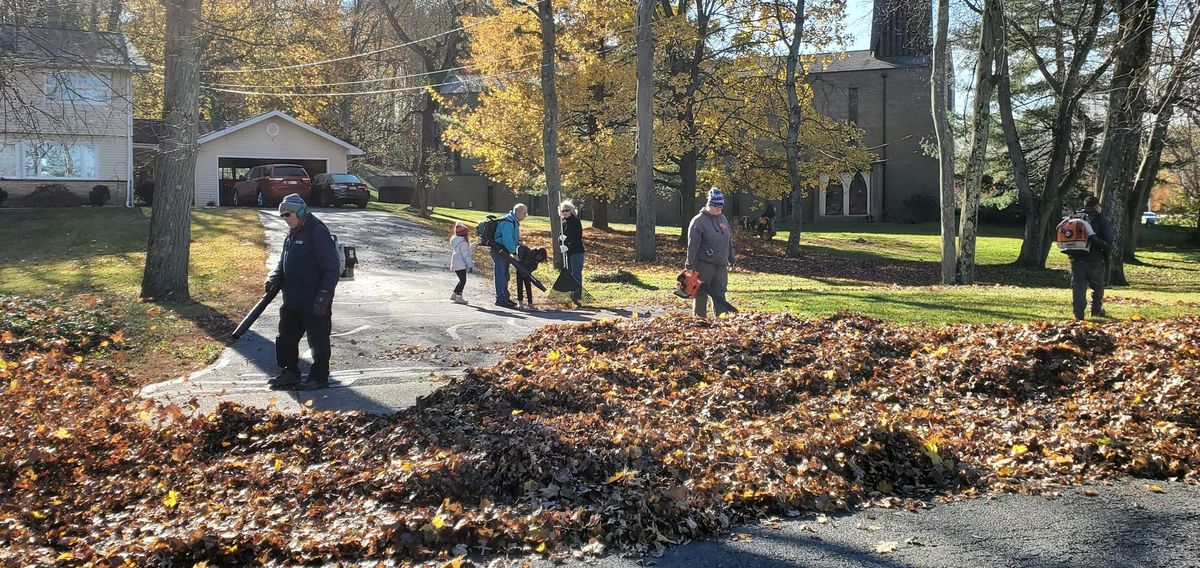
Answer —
888 271
96 256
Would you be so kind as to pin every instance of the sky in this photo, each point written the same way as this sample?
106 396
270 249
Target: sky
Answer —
858 24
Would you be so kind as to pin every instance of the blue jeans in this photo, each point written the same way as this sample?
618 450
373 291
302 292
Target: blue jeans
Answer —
575 266
500 272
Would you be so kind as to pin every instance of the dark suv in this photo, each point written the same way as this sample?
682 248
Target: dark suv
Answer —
338 189
267 185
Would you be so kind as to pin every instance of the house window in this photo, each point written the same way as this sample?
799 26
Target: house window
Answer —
852 110
8 161
78 86
56 160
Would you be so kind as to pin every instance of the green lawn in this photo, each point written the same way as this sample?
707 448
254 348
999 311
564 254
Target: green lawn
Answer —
96 256
854 273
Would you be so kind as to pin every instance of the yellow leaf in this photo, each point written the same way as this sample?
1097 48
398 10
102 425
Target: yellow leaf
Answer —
144 416
278 464
1019 449
61 434
1155 488
66 556
517 412
829 375
201 564
38 515
542 547
171 499
78 358
618 476
455 562
438 521
941 351
553 355
308 403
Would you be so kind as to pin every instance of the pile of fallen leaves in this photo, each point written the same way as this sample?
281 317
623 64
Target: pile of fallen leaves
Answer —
631 434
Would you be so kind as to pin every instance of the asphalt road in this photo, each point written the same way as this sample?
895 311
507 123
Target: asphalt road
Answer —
396 334
1118 526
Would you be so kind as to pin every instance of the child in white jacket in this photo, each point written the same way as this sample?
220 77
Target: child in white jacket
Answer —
460 259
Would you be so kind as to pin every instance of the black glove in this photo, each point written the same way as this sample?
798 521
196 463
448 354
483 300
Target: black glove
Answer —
321 303
272 283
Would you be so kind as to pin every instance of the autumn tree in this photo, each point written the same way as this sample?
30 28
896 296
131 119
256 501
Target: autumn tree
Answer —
433 32
593 98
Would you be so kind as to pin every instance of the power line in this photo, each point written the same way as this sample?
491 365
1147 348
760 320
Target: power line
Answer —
354 56
356 93
362 81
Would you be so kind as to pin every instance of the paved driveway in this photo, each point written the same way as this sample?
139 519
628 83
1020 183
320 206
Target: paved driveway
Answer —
396 335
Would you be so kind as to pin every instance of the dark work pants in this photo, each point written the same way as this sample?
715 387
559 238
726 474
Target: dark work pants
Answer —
295 323
1086 274
717 278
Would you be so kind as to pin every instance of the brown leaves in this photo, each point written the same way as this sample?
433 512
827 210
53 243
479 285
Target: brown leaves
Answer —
630 434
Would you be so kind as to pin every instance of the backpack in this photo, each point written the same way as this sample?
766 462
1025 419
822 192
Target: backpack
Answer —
486 231
1073 234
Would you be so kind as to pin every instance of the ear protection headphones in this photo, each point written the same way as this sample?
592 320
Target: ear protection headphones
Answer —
300 213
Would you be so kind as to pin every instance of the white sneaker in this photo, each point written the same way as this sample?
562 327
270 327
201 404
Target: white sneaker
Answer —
458 299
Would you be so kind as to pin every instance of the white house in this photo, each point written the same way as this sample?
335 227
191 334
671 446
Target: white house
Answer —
270 138
66 111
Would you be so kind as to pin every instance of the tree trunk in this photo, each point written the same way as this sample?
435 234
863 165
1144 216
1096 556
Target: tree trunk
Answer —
166 273
115 8
990 34
1144 181
550 126
795 220
689 165
644 160
1118 160
430 145
792 150
600 214
945 140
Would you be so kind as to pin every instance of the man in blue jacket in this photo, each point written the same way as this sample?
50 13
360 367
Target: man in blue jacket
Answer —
307 274
507 237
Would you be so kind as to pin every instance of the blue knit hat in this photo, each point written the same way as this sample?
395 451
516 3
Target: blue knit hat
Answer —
715 197
294 204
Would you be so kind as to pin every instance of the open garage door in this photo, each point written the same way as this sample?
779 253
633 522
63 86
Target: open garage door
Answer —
232 169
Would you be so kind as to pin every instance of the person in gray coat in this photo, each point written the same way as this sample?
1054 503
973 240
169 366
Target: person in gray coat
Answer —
710 252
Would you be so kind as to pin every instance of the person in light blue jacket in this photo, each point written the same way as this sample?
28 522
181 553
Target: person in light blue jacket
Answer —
507 237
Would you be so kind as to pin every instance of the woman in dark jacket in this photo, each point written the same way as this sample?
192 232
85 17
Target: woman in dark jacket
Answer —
572 244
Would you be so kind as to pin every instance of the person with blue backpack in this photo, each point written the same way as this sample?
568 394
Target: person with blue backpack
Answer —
507 237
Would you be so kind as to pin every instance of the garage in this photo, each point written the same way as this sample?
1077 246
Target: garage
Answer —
226 155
